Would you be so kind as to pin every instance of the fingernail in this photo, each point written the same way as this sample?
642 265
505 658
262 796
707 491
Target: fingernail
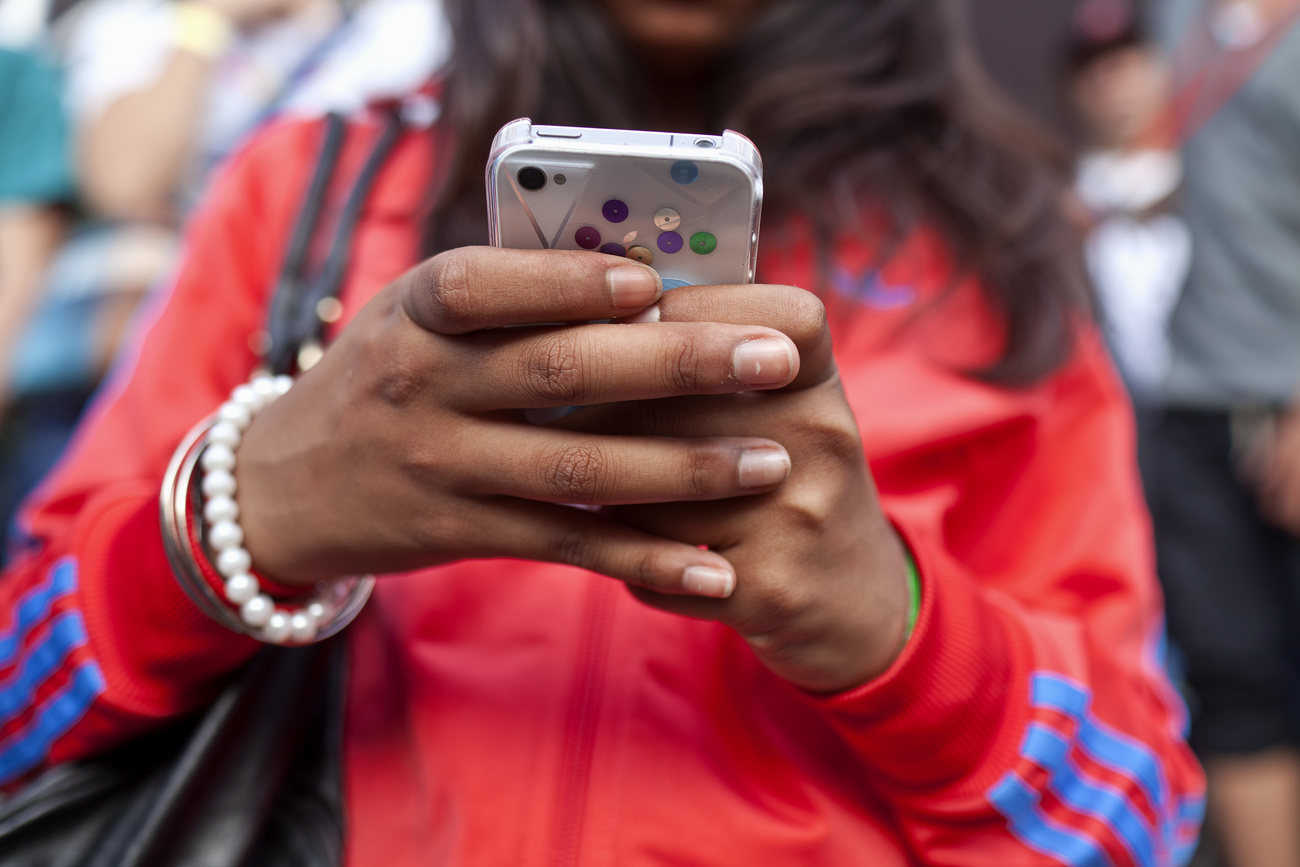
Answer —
765 361
650 314
708 581
632 287
762 467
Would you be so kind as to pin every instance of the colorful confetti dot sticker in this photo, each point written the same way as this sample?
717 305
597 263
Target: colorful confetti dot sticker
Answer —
670 242
684 172
703 243
666 219
641 254
615 210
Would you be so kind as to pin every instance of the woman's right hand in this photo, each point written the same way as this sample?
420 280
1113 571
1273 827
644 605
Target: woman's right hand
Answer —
405 446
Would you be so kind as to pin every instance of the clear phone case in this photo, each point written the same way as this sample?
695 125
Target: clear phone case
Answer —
687 205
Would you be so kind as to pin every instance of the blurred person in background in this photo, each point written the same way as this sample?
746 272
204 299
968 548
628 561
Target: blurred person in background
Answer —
889 604
36 185
1226 496
36 188
1126 182
160 93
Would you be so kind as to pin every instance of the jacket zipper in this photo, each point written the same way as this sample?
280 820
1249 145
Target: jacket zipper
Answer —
584 710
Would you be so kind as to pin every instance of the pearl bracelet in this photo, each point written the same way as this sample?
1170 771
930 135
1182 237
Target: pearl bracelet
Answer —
212 447
221 516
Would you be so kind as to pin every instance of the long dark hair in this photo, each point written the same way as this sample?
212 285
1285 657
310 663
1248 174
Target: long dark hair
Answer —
882 99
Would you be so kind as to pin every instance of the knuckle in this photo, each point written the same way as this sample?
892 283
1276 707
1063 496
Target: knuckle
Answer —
392 369
426 463
845 445
806 509
576 474
701 466
400 382
809 509
648 571
552 370
448 291
776 604
836 441
786 601
682 367
576 547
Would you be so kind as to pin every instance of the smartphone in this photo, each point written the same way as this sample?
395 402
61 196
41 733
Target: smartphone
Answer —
686 205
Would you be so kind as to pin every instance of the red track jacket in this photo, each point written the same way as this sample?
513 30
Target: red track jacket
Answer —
514 713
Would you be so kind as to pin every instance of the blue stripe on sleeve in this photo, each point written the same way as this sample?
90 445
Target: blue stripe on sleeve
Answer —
66 633
1125 757
1014 799
1110 748
59 713
1084 794
34 606
1055 692
1191 809
1191 813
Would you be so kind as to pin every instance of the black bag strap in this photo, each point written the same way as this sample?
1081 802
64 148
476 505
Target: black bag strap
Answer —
289 289
295 319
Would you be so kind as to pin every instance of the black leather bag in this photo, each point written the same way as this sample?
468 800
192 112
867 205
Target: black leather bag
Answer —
256 778
254 781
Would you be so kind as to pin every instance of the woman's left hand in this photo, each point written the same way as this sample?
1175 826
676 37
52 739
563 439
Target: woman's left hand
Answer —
821 591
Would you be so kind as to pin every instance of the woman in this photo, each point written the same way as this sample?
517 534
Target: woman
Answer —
763 694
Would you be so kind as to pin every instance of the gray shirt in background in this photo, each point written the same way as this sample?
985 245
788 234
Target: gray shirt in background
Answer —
1235 333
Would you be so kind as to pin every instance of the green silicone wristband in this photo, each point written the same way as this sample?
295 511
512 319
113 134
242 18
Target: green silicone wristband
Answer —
913 593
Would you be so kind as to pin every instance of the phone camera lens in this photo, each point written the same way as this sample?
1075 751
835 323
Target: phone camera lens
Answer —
705 143
531 178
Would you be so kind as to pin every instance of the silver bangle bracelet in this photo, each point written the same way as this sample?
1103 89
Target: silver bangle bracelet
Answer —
327 609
